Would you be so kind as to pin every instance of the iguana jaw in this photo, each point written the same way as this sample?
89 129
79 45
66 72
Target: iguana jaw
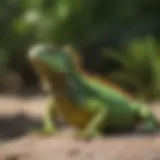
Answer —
40 67
51 81
45 70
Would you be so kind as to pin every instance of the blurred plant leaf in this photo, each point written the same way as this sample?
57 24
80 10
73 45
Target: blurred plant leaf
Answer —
140 67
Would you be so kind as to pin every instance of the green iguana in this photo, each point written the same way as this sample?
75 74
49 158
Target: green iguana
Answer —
91 105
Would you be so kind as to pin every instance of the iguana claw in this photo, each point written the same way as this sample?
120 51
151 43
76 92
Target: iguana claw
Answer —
83 135
150 128
44 131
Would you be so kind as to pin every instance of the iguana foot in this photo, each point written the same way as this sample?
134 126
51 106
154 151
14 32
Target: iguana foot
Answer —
44 131
83 135
150 127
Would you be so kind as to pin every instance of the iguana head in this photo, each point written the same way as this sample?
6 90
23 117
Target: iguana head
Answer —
45 58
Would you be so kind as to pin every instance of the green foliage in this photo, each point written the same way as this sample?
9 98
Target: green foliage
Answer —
83 24
139 67
4 62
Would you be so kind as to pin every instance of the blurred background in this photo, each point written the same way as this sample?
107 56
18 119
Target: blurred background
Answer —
119 40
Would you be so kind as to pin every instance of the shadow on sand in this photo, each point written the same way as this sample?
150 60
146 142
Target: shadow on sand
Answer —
17 125
20 124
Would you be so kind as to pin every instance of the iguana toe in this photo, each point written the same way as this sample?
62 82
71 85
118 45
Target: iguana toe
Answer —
150 128
82 135
44 131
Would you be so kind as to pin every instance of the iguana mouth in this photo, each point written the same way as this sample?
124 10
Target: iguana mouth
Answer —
44 69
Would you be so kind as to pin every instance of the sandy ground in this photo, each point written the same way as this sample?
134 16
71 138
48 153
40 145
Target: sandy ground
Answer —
18 115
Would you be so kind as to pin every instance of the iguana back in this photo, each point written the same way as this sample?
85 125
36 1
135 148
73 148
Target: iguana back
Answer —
101 86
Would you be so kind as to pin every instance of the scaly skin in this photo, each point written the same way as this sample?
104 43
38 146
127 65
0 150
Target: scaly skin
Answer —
86 102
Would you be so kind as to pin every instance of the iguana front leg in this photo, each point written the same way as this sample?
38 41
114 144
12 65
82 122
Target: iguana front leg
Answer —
49 126
100 114
50 116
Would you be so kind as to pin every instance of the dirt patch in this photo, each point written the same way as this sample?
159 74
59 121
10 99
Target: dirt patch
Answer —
63 147
18 115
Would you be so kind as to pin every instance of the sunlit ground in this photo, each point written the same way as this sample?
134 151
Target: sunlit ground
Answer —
19 114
